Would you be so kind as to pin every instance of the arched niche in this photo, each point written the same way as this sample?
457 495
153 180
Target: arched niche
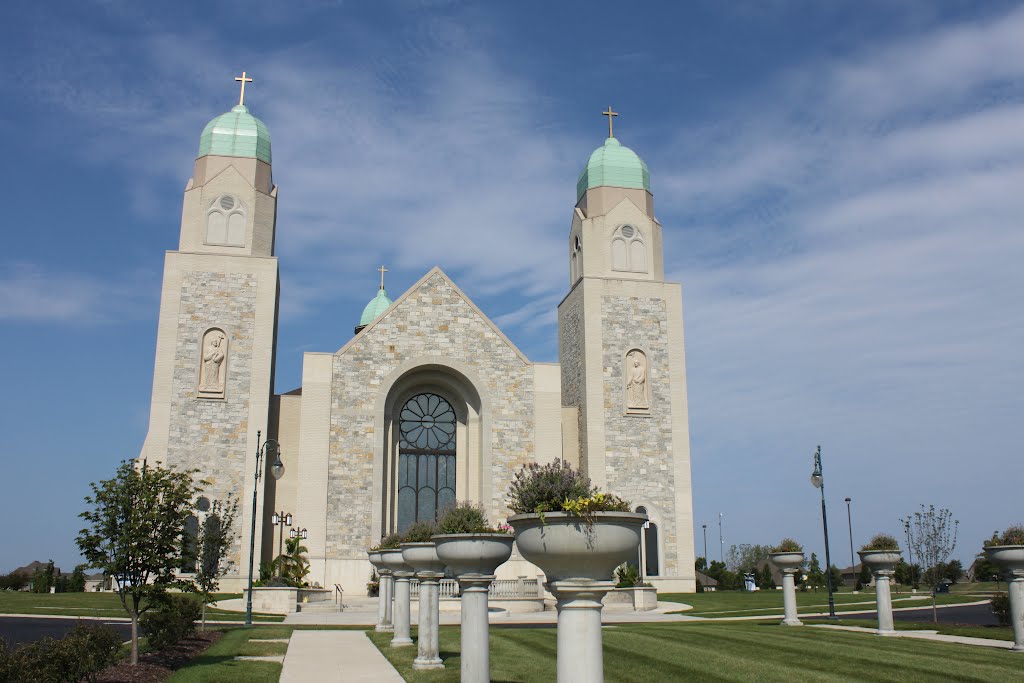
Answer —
212 375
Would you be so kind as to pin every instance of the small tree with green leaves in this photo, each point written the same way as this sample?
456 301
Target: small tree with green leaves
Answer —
293 563
864 578
44 579
933 537
815 576
216 536
134 531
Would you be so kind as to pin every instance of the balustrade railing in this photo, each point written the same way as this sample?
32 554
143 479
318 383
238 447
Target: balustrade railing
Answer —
500 588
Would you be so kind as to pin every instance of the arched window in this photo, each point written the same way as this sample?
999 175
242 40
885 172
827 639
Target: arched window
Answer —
225 222
576 260
629 252
426 459
188 545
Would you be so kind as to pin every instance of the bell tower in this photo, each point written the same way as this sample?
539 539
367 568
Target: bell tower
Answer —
622 359
216 336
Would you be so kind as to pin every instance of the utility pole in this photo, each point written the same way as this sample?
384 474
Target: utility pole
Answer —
721 543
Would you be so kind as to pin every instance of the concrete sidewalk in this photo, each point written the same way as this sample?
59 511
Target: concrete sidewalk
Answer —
925 635
335 657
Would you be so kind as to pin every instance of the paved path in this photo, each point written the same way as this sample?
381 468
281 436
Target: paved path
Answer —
335 656
21 630
926 635
977 614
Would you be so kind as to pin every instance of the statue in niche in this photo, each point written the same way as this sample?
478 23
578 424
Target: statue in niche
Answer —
636 381
213 365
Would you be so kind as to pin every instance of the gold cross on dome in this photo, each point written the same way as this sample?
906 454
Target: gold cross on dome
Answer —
244 80
382 270
610 114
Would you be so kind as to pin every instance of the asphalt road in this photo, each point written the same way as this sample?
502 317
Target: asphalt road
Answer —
20 630
972 615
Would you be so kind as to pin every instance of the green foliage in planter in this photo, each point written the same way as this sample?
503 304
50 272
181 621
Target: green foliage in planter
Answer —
464 518
1014 535
373 585
175 619
881 542
419 532
1001 607
389 542
788 545
557 487
80 656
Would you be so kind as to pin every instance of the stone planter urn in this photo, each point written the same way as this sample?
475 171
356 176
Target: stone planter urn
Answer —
789 563
1011 558
383 592
473 559
422 557
402 574
882 564
578 559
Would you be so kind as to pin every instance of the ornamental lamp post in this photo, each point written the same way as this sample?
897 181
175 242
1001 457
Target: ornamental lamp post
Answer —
276 470
705 545
849 526
301 533
819 483
280 520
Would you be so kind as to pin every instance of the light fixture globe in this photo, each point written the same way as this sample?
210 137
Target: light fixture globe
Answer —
277 469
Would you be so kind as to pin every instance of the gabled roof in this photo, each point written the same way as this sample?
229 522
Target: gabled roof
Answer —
436 270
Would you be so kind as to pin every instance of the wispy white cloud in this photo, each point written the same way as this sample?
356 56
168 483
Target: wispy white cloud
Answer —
32 293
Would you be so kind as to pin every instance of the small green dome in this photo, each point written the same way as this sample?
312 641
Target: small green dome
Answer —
616 165
377 305
236 133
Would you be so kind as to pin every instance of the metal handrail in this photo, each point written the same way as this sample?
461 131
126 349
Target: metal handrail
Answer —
339 596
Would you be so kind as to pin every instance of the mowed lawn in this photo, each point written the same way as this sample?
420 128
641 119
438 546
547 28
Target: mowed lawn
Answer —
725 652
106 605
769 603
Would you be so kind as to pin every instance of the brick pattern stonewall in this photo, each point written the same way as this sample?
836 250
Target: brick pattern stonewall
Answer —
210 434
433 320
571 357
638 449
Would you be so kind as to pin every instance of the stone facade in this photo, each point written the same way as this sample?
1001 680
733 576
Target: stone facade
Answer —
211 434
571 354
432 320
638 448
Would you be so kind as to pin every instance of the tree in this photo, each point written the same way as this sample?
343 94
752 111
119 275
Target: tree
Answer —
294 567
864 578
43 579
746 558
815 577
76 584
216 535
837 578
907 574
133 532
765 580
933 538
953 570
701 564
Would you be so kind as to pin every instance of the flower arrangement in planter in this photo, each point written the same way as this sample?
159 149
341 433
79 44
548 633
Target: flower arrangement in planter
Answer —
467 543
1007 551
466 518
788 556
1014 535
788 545
882 542
569 528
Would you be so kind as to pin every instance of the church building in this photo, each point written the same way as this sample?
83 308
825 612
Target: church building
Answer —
428 402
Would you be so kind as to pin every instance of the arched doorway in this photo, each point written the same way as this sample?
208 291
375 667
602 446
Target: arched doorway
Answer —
647 552
426 459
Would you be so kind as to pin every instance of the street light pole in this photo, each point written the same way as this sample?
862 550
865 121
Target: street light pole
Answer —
721 543
705 544
280 520
819 482
277 469
849 526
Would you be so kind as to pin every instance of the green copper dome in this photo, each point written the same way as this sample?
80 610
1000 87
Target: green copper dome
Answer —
377 305
615 165
236 133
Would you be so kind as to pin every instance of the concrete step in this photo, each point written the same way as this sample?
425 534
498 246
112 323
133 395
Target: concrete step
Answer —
310 607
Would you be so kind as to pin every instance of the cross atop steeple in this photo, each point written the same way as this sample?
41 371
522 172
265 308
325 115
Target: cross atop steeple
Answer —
609 114
244 80
382 270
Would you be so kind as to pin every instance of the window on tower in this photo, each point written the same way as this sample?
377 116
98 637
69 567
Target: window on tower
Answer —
576 260
629 252
225 222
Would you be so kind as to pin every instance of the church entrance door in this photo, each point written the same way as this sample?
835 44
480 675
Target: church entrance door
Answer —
426 459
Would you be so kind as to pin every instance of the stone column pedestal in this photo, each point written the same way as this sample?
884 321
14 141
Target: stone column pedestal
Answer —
883 600
1016 591
789 597
384 595
428 655
475 630
580 653
403 631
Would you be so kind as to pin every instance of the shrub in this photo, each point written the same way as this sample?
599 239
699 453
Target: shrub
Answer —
627 576
1000 606
464 518
881 542
1014 535
80 656
373 585
557 487
419 532
788 545
173 620
14 581
389 542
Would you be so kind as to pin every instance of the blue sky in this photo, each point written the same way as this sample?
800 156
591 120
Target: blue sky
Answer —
840 186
